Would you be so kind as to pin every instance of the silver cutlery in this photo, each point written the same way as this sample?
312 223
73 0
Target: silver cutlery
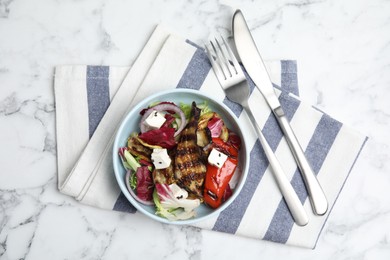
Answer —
255 67
233 82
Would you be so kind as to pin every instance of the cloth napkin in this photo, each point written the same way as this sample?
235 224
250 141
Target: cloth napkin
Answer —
92 100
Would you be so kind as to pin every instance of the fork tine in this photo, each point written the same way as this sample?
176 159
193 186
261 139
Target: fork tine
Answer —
220 59
216 66
225 65
224 59
232 57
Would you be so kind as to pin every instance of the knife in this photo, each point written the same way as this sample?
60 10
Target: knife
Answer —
254 65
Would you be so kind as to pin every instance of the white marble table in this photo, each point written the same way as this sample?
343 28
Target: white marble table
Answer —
343 54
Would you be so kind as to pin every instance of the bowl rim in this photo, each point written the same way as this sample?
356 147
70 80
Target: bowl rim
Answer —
140 105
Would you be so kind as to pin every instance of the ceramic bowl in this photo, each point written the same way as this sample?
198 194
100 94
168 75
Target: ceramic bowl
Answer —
130 124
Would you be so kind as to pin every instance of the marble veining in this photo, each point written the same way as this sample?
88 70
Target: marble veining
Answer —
343 54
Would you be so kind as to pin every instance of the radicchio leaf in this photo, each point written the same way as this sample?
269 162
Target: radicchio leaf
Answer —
163 137
215 125
168 120
144 183
234 140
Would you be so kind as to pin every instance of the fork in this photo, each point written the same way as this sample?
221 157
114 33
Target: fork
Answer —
234 83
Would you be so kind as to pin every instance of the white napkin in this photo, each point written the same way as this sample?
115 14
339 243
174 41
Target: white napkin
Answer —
92 100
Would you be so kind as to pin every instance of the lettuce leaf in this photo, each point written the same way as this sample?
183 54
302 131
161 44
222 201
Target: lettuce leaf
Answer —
172 203
186 108
204 106
128 160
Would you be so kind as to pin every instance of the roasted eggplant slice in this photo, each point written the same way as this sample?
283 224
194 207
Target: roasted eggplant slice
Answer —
203 137
137 149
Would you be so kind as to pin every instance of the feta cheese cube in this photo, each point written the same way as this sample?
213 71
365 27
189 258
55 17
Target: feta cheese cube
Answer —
155 120
160 158
217 158
178 192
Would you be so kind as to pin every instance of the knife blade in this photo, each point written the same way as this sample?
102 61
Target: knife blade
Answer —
254 65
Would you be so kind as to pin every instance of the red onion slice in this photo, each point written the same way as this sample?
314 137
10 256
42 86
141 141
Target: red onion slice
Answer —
164 107
127 180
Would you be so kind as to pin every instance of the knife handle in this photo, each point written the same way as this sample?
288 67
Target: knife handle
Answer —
317 197
290 196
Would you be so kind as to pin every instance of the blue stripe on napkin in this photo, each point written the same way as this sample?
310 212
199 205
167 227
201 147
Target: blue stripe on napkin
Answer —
316 152
196 71
123 204
98 94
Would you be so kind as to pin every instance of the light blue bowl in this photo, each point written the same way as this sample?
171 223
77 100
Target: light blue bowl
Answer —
131 124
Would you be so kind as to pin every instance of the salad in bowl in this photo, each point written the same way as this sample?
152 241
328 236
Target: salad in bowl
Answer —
180 156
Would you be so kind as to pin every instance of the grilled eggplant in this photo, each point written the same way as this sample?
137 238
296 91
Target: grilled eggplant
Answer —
190 168
138 149
203 137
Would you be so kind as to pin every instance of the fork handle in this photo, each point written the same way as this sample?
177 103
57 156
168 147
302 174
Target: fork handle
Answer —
316 194
292 200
